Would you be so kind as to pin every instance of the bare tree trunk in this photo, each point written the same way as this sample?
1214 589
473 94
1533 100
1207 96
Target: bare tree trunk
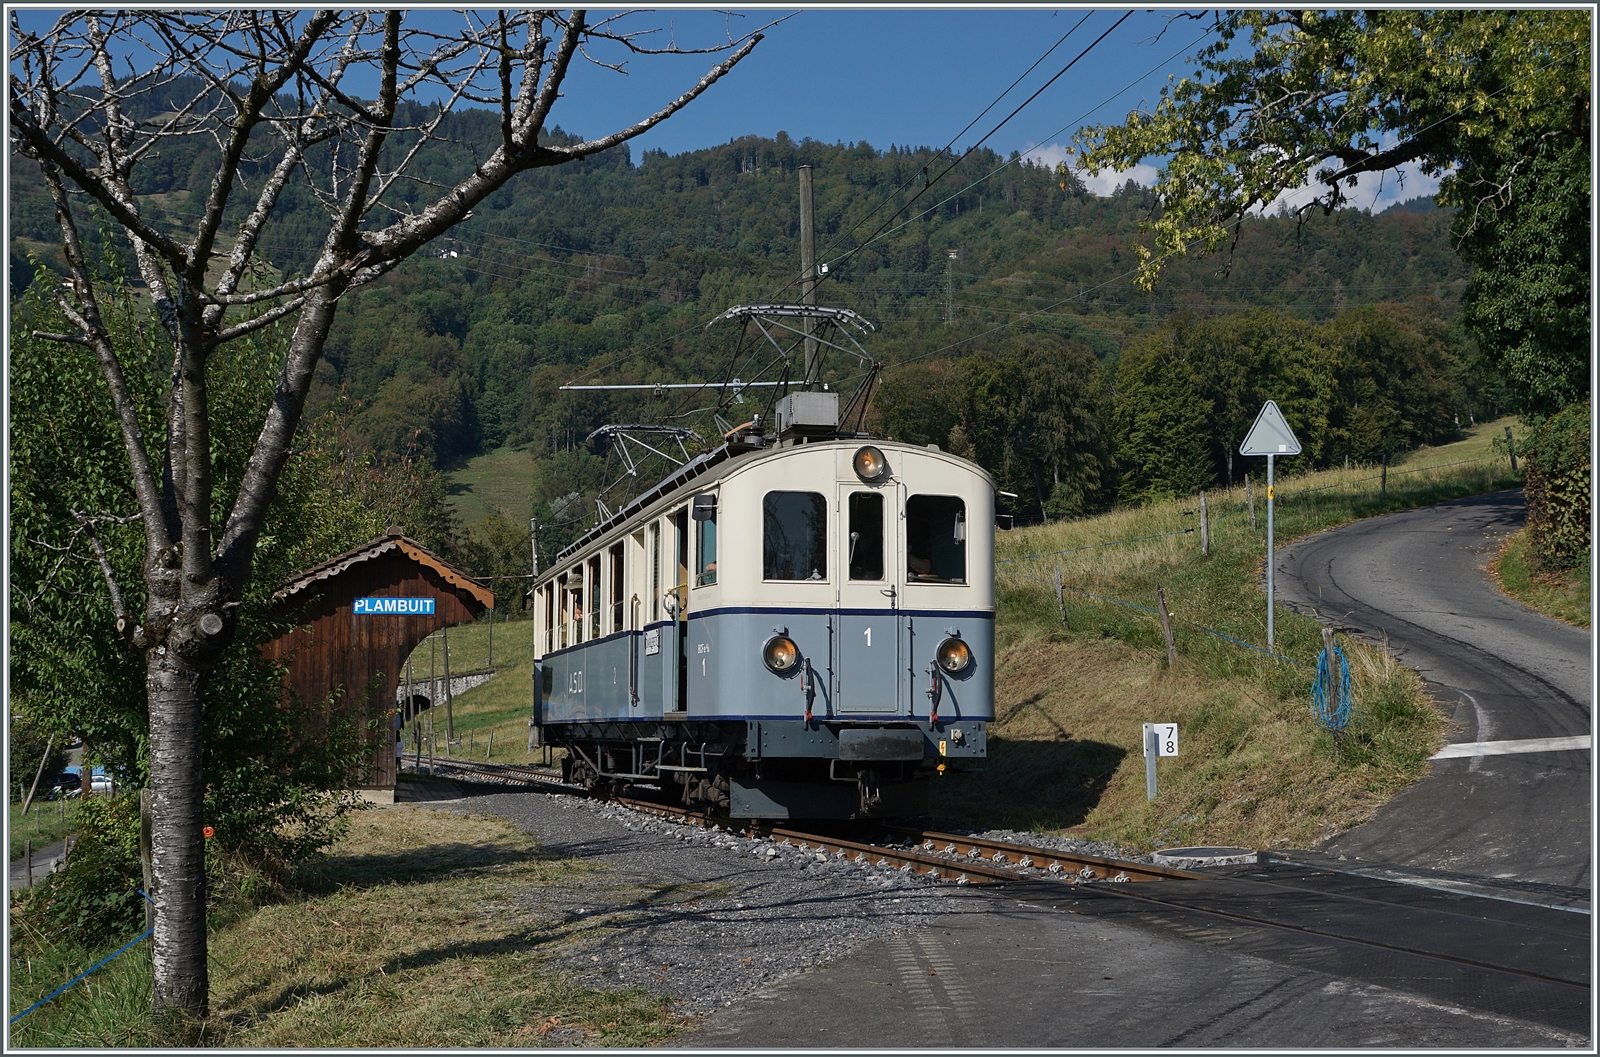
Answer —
178 863
278 74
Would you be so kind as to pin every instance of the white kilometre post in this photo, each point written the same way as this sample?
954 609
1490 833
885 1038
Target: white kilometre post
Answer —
1270 436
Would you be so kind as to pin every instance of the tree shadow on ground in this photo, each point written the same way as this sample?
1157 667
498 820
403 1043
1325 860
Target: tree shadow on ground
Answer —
1029 784
435 862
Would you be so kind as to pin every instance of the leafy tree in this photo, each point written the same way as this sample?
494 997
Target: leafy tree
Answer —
1162 415
1030 411
1495 103
270 93
270 793
1372 380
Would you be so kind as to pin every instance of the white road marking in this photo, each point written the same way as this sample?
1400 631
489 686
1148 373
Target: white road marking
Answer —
1507 748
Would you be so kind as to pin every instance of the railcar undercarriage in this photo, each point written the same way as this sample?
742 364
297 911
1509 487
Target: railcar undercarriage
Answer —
816 770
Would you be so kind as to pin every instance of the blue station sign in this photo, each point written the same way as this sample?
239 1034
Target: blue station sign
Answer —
410 607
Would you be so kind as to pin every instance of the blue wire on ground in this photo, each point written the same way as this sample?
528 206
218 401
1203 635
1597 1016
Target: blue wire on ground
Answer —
81 975
1331 718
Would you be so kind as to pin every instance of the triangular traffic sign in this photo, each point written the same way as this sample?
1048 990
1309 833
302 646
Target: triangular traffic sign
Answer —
1270 435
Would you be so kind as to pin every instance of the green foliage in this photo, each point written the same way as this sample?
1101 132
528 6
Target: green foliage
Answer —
95 897
1495 103
1558 488
1030 410
273 793
497 547
1370 381
1529 302
25 749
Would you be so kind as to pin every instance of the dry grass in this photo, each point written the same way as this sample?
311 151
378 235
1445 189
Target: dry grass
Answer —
1253 771
424 930
1255 768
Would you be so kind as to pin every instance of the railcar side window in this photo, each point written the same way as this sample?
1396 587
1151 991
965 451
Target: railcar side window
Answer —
655 571
794 536
866 535
705 562
549 617
617 585
936 539
594 597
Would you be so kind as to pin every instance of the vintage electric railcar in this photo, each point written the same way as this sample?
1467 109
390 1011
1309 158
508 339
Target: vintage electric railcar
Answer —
783 628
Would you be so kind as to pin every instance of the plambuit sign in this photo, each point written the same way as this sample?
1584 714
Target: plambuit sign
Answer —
410 607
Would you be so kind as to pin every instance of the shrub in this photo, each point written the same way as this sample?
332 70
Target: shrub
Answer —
1557 488
95 896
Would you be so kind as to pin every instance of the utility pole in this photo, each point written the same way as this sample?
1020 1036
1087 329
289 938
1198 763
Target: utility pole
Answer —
949 287
533 537
808 277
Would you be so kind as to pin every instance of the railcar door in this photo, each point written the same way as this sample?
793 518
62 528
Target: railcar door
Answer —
867 622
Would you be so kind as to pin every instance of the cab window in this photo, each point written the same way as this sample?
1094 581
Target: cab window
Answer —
794 536
866 536
936 539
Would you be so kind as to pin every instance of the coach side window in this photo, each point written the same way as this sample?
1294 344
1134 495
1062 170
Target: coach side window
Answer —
794 536
936 539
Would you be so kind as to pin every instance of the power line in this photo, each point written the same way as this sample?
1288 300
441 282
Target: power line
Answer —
890 197
991 132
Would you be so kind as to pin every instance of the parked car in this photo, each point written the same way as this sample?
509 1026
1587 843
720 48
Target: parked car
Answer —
55 785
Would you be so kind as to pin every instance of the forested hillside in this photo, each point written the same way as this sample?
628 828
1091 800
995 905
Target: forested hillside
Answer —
1004 299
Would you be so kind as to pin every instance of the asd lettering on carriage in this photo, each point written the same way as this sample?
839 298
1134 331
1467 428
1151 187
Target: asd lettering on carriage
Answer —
410 607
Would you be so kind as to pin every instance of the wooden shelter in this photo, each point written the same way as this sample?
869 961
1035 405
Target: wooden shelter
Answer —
357 618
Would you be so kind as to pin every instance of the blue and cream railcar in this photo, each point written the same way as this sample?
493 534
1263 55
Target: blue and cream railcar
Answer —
797 631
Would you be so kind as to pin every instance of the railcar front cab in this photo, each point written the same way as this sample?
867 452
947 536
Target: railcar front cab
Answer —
805 634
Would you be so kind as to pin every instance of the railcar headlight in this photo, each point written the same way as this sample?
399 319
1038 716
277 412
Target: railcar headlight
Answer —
780 654
870 465
954 656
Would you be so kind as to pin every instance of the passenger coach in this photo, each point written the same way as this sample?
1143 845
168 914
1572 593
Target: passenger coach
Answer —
793 629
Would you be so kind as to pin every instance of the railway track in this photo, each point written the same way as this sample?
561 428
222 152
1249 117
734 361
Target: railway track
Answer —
1509 957
932 854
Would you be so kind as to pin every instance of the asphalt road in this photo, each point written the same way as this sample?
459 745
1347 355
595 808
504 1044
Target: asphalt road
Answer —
995 970
1418 580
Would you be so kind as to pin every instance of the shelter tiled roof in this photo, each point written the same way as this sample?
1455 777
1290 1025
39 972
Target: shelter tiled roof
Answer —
392 540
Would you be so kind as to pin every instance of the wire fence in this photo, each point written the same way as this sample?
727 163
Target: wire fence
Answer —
1236 510
1170 615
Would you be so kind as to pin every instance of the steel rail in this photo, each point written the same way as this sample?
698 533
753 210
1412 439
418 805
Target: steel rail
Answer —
937 855
930 860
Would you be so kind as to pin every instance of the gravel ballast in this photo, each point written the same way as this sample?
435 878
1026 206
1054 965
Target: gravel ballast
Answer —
702 916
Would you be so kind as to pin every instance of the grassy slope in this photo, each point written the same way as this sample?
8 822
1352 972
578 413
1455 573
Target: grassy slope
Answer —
496 482
47 821
501 704
1564 596
421 929
1255 769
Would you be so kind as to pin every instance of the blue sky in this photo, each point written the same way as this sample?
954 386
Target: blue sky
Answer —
893 76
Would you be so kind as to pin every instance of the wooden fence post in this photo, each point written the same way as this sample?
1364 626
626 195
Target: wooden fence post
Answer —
1061 599
449 698
1166 626
1511 446
1205 527
1250 499
144 857
50 743
27 853
1383 476
490 754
